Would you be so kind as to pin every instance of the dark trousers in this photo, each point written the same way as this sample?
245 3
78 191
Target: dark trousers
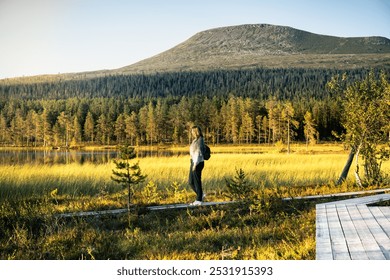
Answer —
195 180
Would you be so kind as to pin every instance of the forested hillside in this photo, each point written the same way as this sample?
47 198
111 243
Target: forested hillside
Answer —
257 83
242 106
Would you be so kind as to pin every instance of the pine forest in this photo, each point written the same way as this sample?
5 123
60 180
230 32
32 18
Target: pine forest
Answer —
232 106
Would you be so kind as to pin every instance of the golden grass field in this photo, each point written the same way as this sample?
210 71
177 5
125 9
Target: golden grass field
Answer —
31 195
264 166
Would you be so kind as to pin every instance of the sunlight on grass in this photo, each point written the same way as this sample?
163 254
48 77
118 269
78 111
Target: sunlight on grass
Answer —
31 195
266 169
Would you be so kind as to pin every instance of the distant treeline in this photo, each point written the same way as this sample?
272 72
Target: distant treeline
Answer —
253 106
256 83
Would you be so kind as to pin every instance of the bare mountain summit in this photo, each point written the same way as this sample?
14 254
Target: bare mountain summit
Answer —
264 45
252 46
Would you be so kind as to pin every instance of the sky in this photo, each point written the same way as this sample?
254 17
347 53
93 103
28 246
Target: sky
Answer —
64 36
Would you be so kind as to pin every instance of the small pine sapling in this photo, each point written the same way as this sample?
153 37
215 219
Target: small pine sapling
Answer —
238 187
126 173
150 193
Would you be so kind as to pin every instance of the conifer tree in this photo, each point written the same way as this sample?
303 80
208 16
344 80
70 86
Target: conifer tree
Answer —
105 128
310 131
151 127
3 129
127 174
131 122
288 113
64 127
89 128
120 128
238 187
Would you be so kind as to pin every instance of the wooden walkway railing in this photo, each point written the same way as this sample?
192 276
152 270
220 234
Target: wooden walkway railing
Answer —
352 230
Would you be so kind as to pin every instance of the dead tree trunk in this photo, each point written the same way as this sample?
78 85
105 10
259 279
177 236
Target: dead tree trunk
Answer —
347 166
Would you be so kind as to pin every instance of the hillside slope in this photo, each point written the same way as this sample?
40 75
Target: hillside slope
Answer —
263 45
248 47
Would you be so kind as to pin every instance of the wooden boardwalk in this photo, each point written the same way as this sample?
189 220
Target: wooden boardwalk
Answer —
185 206
336 195
352 230
345 230
148 208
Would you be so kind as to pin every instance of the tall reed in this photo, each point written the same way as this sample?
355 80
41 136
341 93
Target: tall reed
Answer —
267 169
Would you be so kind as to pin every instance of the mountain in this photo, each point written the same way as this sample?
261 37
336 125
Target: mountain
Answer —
252 46
269 46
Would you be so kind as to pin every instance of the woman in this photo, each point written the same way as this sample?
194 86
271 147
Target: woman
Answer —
197 149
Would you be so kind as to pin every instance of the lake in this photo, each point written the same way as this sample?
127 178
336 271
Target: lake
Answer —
29 156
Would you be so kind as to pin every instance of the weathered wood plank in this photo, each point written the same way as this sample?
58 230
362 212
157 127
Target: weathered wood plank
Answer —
337 195
355 246
183 206
355 230
323 245
92 213
363 200
367 226
149 208
337 239
382 236
386 212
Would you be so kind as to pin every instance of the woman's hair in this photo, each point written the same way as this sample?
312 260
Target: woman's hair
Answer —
198 131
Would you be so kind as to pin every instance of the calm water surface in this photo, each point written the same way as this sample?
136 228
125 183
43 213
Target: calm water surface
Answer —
11 157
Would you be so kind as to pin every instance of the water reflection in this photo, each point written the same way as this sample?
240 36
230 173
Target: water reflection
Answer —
10 157
55 156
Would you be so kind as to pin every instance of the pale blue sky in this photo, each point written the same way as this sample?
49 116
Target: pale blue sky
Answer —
61 36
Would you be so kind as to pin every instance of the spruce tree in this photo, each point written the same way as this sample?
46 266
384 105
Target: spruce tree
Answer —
127 174
238 187
311 133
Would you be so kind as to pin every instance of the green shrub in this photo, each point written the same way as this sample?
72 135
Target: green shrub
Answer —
239 188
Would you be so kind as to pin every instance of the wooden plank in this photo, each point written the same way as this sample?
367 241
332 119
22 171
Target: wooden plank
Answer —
355 246
354 230
386 211
337 195
382 237
149 208
182 206
363 200
337 239
366 225
372 222
323 245
377 231
91 213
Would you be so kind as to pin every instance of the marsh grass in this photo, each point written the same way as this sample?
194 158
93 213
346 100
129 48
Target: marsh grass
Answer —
296 171
205 233
264 228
